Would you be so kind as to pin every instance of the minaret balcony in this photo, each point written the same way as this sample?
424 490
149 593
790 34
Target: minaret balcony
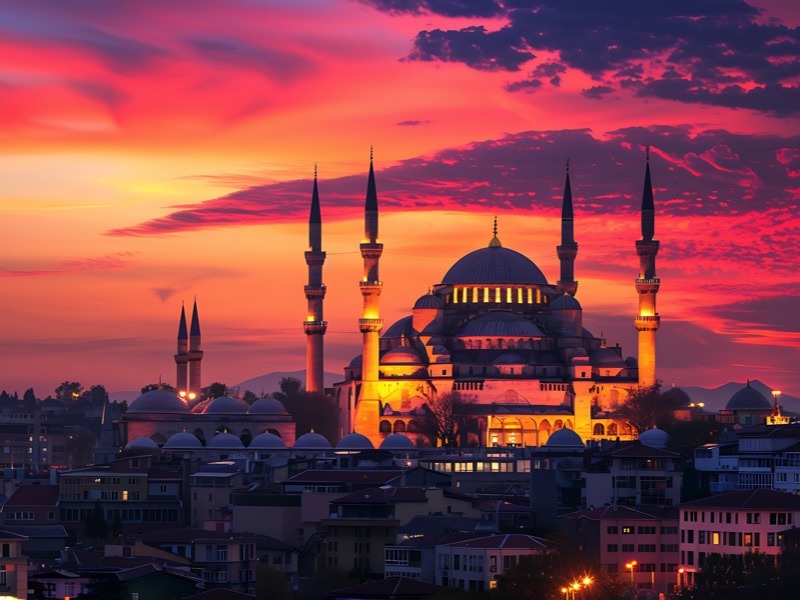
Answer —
311 327
647 322
315 257
648 286
370 325
369 288
314 291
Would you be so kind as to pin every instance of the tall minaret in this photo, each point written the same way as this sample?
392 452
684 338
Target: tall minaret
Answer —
647 321
314 326
370 323
195 354
182 357
568 249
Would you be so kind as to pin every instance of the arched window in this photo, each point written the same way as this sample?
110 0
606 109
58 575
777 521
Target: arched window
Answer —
598 429
413 426
559 424
626 429
399 426
385 427
200 435
612 430
246 437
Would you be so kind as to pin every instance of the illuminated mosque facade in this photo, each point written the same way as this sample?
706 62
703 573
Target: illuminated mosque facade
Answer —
495 332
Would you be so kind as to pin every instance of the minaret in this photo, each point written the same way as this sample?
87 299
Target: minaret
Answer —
314 326
568 249
182 357
195 354
370 323
647 321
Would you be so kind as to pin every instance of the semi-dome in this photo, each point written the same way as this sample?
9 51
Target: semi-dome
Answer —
493 265
141 443
565 302
158 401
354 441
748 398
499 324
655 438
429 301
402 328
312 441
402 355
564 438
267 406
225 441
226 405
397 441
509 358
267 441
182 439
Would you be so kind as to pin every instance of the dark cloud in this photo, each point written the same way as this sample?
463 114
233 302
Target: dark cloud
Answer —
598 92
413 123
718 52
696 172
276 64
526 85
446 8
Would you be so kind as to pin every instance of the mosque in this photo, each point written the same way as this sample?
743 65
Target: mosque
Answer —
493 333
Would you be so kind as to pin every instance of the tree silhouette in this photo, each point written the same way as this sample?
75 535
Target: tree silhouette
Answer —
446 418
309 411
68 391
647 407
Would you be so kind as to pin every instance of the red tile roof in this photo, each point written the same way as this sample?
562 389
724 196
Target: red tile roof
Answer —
33 495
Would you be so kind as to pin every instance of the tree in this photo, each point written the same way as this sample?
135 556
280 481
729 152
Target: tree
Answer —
249 396
216 390
29 396
447 418
309 411
69 391
647 407
95 395
96 526
158 386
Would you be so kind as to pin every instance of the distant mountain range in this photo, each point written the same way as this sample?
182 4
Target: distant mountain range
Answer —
714 399
263 384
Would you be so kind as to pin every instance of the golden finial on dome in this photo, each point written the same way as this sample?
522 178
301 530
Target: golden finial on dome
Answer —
495 243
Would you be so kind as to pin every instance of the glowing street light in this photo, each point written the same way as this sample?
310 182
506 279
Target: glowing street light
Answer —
680 577
631 565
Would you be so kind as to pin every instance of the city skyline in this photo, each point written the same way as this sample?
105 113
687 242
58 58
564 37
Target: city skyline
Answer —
150 156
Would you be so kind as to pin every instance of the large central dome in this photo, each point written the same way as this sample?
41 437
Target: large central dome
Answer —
492 265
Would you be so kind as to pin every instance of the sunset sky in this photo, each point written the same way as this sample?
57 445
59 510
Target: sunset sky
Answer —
152 151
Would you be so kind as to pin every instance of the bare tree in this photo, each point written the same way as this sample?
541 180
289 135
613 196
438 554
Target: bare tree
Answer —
447 417
647 407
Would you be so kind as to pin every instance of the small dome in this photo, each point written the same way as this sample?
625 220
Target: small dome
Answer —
356 362
509 358
312 441
655 438
494 264
429 301
142 443
748 398
226 405
565 302
354 441
396 441
564 438
631 363
158 401
499 324
401 328
182 439
225 441
267 406
267 441
402 355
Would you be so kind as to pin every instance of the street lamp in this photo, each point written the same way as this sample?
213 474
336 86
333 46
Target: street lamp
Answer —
631 565
776 394
565 591
679 581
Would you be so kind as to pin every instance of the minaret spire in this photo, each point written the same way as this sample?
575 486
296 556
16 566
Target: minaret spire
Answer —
182 356
195 353
368 404
314 326
568 249
648 320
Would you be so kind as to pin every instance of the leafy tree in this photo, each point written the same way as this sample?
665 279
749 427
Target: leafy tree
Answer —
29 396
69 391
249 396
96 526
159 386
271 583
95 395
309 411
647 407
216 390
446 419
